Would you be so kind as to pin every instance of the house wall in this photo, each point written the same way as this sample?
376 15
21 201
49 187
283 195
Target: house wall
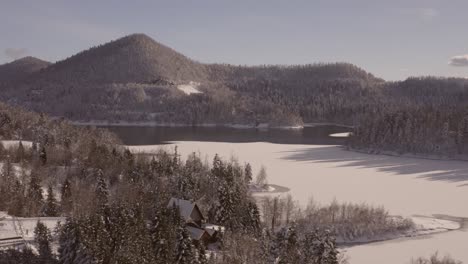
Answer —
196 216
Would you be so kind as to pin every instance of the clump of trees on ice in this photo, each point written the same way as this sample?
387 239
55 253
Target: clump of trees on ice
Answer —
435 259
349 222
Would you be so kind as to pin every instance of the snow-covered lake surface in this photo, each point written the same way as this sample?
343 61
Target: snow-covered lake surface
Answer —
404 186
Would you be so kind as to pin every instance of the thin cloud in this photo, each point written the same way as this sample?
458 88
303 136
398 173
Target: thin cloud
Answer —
459 61
14 53
425 14
428 13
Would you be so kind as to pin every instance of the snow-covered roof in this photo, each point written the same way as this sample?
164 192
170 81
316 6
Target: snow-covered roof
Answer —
185 207
195 233
211 229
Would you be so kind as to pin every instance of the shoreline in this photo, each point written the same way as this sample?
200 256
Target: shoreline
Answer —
415 233
261 126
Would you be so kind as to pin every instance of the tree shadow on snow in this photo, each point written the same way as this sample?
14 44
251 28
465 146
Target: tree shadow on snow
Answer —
434 170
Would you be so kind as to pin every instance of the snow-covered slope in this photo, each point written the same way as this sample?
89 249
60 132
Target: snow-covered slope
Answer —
190 88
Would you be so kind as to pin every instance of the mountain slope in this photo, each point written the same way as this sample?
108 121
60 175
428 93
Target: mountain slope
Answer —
132 59
135 78
21 68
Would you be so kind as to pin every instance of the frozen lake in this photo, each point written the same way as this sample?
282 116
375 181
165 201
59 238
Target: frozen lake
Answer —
404 186
316 166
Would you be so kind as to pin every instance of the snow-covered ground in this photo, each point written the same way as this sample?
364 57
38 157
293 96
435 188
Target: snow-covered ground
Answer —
14 143
190 88
404 186
344 134
19 226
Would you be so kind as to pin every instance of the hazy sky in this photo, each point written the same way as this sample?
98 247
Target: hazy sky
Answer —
392 39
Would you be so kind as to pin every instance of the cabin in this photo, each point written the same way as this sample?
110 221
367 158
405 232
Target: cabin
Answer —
195 221
188 210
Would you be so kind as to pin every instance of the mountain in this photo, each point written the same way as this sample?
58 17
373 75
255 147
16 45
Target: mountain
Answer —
132 59
21 68
135 78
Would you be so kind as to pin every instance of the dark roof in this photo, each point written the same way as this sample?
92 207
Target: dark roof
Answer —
196 233
185 207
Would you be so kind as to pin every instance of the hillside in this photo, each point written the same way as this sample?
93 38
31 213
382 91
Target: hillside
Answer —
21 68
135 78
132 59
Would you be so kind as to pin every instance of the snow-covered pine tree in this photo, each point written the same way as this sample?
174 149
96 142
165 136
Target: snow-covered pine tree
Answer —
43 239
16 205
20 153
248 173
201 254
66 196
251 222
51 205
185 253
102 193
43 155
330 253
291 253
71 250
34 195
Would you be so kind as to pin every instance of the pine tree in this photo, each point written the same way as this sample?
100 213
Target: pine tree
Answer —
17 203
51 206
163 236
201 254
71 250
43 239
251 221
6 184
291 252
102 193
66 196
185 253
262 178
19 152
319 248
218 167
2 151
34 195
330 254
247 173
43 155
277 247
225 210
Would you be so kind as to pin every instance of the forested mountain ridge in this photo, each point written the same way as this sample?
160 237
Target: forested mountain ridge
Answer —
21 68
426 115
132 59
136 79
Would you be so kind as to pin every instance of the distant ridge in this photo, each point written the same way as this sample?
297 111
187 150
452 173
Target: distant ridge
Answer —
21 68
137 79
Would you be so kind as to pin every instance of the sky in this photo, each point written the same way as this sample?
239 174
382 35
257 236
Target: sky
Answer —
391 39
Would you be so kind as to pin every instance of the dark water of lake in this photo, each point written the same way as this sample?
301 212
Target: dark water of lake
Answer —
319 135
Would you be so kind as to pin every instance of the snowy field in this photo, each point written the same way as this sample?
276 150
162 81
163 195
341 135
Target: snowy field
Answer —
19 226
14 143
404 186
190 88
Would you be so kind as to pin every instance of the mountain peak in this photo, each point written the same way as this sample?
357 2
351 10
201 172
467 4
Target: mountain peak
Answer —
28 60
138 37
20 68
133 58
